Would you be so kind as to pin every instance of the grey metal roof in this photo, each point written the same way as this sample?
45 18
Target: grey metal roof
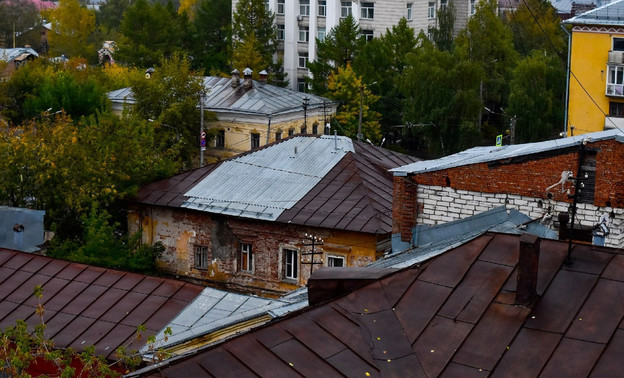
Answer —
260 99
492 153
430 241
27 240
609 14
9 55
264 183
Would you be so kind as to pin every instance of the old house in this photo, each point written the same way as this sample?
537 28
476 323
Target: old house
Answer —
252 113
253 220
596 88
541 180
499 305
12 59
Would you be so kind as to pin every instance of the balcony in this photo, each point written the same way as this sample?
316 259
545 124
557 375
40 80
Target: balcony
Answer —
613 122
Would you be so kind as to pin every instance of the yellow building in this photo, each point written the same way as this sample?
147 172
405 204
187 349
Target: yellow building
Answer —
596 91
252 113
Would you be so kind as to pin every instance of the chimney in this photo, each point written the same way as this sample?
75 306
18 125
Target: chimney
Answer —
247 82
331 283
404 206
563 218
526 288
264 76
235 78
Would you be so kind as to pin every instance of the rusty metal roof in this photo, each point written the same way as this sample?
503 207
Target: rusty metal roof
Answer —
301 180
87 305
451 316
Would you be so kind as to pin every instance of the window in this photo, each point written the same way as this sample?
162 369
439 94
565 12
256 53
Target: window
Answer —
255 140
266 5
280 32
322 8
443 4
280 6
303 60
246 258
291 132
304 34
291 264
278 135
315 128
321 34
220 139
304 7
615 81
431 10
345 9
472 7
304 129
367 35
409 11
335 261
367 10
616 109
201 257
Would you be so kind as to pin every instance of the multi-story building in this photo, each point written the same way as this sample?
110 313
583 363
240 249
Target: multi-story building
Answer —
300 22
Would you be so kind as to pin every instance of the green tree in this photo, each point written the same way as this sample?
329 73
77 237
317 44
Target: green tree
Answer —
536 97
16 17
356 99
442 35
252 21
213 35
72 26
536 26
339 48
110 14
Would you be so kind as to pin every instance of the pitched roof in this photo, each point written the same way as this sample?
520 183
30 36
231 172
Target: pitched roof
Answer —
87 305
30 237
318 181
492 153
609 14
8 55
452 316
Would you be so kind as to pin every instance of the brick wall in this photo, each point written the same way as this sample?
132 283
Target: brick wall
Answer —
459 192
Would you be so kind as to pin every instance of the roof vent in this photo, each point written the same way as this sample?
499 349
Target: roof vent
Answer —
247 82
235 78
526 288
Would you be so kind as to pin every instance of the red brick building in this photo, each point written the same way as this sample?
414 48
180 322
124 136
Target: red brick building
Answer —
536 178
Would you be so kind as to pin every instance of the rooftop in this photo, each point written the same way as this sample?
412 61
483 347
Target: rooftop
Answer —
17 53
318 181
609 14
454 315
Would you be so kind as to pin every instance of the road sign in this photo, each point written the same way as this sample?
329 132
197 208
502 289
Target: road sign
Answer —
499 140
203 141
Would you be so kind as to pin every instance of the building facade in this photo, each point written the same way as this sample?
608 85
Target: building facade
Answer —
300 22
596 83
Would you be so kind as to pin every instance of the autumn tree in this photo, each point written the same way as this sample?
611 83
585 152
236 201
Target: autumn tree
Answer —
16 16
356 99
72 26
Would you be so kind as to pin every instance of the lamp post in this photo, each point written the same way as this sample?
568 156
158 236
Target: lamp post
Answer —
306 102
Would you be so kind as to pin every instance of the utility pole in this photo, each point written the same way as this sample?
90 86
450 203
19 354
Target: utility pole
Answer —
269 129
306 102
512 130
578 187
202 143
314 242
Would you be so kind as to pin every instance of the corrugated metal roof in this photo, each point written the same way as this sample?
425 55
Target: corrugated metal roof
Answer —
454 315
610 14
264 183
492 153
31 235
87 305
8 55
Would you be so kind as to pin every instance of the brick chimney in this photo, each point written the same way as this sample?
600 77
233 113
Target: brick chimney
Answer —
330 283
235 78
526 288
404 207
247 81
263 76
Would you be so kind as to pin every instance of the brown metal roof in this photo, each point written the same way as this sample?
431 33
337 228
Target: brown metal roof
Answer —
86 305
355 195
452 316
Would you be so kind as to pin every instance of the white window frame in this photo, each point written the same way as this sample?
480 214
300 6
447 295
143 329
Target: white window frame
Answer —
321 34
302 61
367 10
291 264
443 4
410 10
281 32
304 7
201 256
615 80
246 257
367 35
473 6
346 9
280 6
304 34
331 258
322 8
431 10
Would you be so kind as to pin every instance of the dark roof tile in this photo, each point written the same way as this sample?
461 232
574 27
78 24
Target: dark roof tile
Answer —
301 359
615 270
610 362
572 358
527 354
350 364
253 354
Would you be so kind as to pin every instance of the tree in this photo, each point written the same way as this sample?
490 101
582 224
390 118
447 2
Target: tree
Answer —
210 50
442 36
252 21
16 16
110 14
536 26
356 98
72 25
339 48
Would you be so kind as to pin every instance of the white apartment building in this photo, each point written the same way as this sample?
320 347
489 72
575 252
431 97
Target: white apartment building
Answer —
300 22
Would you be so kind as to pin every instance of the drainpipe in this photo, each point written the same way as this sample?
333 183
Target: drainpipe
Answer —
567 93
